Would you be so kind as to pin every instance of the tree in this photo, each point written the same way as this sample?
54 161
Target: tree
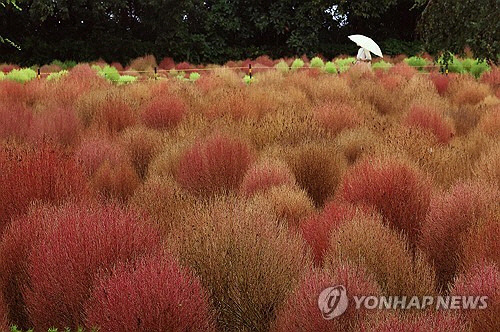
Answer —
4 4
450 26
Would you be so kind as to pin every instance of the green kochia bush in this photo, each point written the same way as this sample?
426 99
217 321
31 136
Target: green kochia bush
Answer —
64 65
194 77
317 62
282 66
330 68
21 75
381 65
126 79
57 76
297 64
344 64
478 68
416 61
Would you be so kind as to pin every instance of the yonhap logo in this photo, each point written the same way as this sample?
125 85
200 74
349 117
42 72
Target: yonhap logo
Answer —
332 302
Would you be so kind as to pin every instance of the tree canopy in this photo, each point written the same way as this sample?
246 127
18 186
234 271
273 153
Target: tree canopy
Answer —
220 30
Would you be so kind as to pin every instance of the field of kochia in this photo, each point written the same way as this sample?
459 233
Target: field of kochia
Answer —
220 202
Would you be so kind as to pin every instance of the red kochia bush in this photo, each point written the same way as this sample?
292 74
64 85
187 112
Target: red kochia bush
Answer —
59 124
265 175
12 91
4 325
398 191
36 174
337 116
156 295
450 217
216 164
441 82
316 229
94 151
301 312
481 280
429 119
429 321
164 112
16 120
84 243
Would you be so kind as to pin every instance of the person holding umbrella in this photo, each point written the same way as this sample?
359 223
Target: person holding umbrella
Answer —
366 45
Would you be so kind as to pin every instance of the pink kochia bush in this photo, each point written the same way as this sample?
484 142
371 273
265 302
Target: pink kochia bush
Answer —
265 175
395 189
164 112
316 229
301 311
4 325
154 295
451 216
82 244
214 165
429 321
42 173
16 120
481 280
429 119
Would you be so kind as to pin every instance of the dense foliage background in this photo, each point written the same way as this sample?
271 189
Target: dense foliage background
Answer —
215 31
200 31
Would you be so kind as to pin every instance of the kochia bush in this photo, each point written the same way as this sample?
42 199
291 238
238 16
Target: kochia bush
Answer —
266 174
88 242
429 119
300 312
164 112
156 294
400 192
216 164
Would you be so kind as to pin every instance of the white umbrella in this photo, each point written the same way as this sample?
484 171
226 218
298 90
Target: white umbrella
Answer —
367 43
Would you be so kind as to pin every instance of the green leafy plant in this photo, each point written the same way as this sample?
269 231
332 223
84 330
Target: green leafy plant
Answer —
249 80
282 66
330 68
479 67
317 62
21 75
64 65
381 65
344 64
467 64
126 79
57 76
297 64
417 62
193 77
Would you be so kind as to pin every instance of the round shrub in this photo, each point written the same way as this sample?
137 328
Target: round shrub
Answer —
163 200
226 242
265 175
318 170
61 125
300 312
16 120
429 119
441 82
289 203
481 244
490 122
318 228
364 241
450 217
43 174
114 115
164 112
87 242
428 321
154 295
115 181
94 151
214 165
404 70
317 62
417 62
398 191
488 165
142 146
330 68
481 280
337 116
4 324
282 66
297 64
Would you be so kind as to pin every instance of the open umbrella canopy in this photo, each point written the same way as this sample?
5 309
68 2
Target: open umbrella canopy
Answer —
367 43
